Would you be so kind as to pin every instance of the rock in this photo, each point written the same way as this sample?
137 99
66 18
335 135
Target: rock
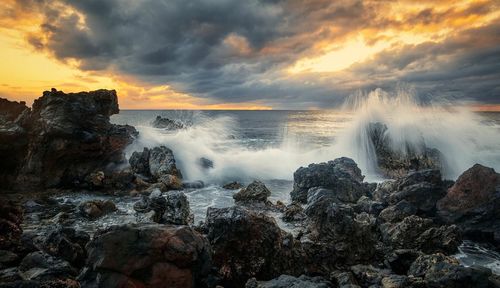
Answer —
40 266
473 203
170 182
254 192
286 281
147 255
442 271
384 190
422 189
68 244
400 260
193 185
8 258
233 186
70 136
341 175
398 212
395 281
205 163
156 163
344 279
11 217
368 275
417 233
393 163
94 209
245 244
10 110
369 206
167 124
9 275
177 209
293 212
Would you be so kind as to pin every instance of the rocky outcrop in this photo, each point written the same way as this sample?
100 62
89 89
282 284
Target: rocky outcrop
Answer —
66 243
147 255
232 185
167 124
287 281
94 209
473 203
11 217
171 209
254 192
245 244
67 137
341 175
395 163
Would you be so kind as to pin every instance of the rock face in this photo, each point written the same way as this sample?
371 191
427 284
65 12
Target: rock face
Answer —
394 163
245 244
341 175
147 255
254 192
11 216
473 202
68 136
157 164
167 124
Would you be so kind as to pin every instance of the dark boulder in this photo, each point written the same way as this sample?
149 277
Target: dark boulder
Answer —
400 260
232 186
11 217
69 137
473 203
39 266
397 212
193 184
254 192
177 209
287 281
395 163
205 163
365 204
167 124
66 243
341 175
158 164
246 244
147 255
293 212
94 209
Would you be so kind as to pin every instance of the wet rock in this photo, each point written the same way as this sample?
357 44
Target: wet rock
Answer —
286 281
473 203
384 190
147 255
369 206
205 163
139 162
70 136
156 163
294 212
422 189
344 279
398 212
442 271
254 192
40 266
233 186
169 182
94 209
177 209
367 275
11 217
341 175
167 124
394 281
193 184
9 275
66 243
233 232
7 258
400 260
394 163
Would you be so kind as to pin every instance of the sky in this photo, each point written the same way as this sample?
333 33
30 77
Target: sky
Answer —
252 54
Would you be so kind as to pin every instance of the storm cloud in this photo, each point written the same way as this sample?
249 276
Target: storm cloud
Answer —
239 51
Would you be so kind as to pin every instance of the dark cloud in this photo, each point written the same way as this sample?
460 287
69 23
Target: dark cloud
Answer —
235 51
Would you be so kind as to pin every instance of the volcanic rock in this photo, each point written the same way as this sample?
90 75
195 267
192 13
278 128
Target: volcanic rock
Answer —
167 124
287 281
94 209
254 192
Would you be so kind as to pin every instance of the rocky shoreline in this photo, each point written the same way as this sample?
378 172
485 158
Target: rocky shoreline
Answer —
348 232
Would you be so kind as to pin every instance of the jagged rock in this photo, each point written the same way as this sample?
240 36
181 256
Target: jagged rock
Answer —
293 212
10 110
40 266
414 232
287 281
69 136
147 255
167 124
254 192
245 244
94 209
344 279
11 217
169 182
157 163
442 271
400 260
398 212
193 185
233 186
369 206
384 190
206 163
473 203
367 275
395 281
341 175
66 243
393 163
177 209
422 189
